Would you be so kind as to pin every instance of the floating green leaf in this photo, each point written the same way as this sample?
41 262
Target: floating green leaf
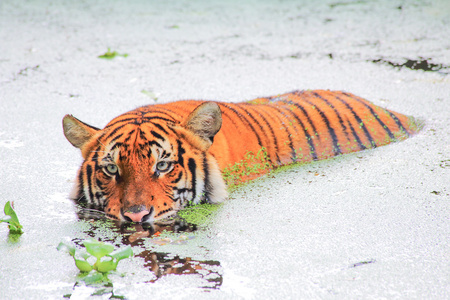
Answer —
6 219
111 54
11 218
122 253
66 247
98 249
107 258
83 265
94 277
106 266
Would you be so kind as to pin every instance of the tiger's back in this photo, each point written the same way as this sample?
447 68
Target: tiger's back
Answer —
199 140
303 126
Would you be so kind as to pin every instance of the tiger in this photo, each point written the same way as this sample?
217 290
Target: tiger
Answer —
147 164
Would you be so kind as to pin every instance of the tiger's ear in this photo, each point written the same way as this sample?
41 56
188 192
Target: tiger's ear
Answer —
77 132
205 121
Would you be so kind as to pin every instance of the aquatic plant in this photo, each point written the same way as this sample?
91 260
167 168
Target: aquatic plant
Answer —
11 218
111 54
97 256
251 166
198 214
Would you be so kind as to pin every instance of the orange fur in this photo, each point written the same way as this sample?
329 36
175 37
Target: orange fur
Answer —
254 137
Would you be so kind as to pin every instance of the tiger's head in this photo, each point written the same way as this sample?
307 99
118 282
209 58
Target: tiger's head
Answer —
148 163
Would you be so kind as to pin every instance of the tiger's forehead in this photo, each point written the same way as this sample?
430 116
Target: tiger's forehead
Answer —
141 141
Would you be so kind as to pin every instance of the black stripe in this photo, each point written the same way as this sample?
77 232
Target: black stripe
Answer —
130 134
117 137
176 133
388 131
355 135
95 155
99 184
206 181
149 153
142 148
336 147
158 113
344 128
163 212
241 117
397 121
299 106
151 143
164 154
98 196
193 168
180 175
160 128
181 152
112 217
312 148
89 182
116 145
80 193
169 194
123 125
142 135
156 135
360 122
301 94
111 133
148 119
122 120
286 128
275 140
144 113
97 168
121 156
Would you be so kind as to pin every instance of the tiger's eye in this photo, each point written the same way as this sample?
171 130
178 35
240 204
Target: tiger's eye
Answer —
162 166
112 169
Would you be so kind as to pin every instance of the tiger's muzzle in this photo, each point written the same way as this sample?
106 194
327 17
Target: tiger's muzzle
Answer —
137 213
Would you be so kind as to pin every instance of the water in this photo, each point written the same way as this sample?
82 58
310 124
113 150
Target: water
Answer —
372 224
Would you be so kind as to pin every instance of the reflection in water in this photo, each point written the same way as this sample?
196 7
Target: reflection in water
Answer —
133 232
163 264
158 263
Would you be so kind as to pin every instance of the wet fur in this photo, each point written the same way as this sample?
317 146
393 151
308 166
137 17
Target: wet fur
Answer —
201 139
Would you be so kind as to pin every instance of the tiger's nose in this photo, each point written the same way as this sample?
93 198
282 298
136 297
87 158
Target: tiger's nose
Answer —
137 213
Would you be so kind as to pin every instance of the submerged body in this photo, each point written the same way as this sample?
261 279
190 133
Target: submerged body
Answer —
150 162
